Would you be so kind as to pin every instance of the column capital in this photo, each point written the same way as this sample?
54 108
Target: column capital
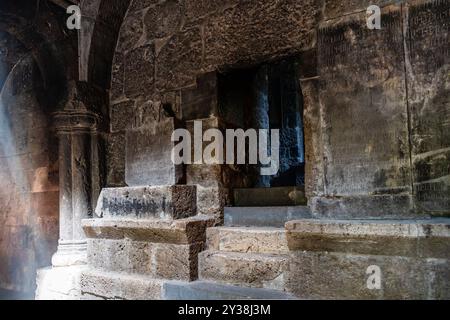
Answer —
68 121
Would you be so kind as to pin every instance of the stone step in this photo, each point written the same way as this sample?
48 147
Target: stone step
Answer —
256 270
264 216
207 290
269 197
247 239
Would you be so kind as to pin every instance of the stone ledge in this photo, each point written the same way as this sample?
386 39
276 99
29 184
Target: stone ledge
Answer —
182 231
417 238
206 290
119 286
163 202
334 275
245 239
157 260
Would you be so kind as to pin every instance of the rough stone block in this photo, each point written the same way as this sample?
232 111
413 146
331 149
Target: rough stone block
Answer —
207 290
422 239
428 68
364 104
183 231
271 197
252 240
148 155
177 262
119 286
251 270
322 275
264 216
163 202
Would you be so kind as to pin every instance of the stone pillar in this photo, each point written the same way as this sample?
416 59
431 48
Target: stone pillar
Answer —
76 131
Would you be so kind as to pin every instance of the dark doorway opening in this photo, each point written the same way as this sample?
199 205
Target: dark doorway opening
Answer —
268 97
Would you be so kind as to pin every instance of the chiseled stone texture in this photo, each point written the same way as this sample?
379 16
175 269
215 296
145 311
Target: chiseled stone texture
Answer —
157 260
100 285
329 259
149 149
183 231
246 269
363 100
422 239
334 275
252 240
163 202
158 249
427 71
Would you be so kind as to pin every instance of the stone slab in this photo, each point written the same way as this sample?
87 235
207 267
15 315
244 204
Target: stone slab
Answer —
270 197
428 69
365 115
118 286
246 269
333 275
206 290
183 231
264 216
244 239
158 260
409 238
162 202
148 154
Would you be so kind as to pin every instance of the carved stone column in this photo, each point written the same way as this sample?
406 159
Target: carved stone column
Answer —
78 176
76 131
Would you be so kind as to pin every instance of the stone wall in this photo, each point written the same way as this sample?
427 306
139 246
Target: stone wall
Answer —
372 98
29 196
164 53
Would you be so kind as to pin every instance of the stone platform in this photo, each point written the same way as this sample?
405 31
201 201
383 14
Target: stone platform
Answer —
329 259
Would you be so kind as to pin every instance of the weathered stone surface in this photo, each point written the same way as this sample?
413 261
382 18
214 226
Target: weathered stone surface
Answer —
164 202
423 239
139 70
177 262
121 114
364 206
322 275
428 69
314 169
247 269
363 99
115 164
208 290
256 30
119 286
270 197
211 201
158 260
334 9
183 231
148 155
179 60
252 240
164 19
264 216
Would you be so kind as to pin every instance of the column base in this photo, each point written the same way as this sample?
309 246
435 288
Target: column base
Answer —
59 283
70 253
